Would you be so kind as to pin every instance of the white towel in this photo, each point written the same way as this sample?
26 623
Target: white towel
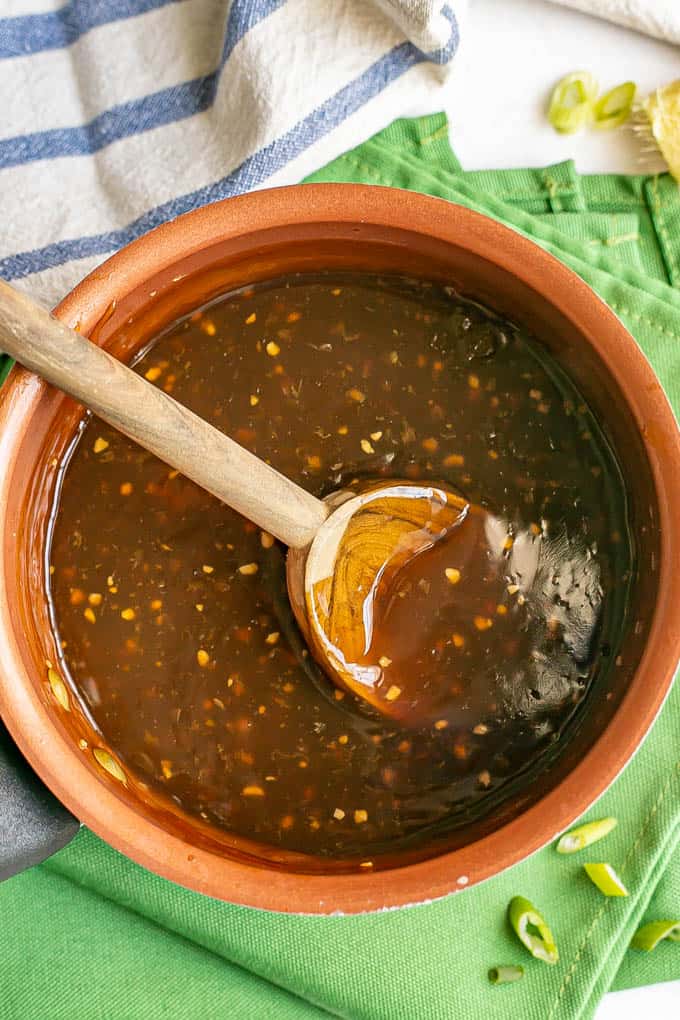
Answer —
120 114
660 18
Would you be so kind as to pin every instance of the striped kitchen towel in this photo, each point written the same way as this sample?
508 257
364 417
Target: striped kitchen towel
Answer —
120 114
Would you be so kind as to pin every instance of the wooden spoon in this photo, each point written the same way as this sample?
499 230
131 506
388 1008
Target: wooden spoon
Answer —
345 552
156 421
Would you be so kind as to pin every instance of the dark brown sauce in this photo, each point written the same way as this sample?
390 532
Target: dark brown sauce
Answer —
172 609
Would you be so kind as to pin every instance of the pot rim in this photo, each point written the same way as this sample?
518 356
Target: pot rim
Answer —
58 762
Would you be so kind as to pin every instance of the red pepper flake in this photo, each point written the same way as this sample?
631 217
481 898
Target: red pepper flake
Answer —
483 622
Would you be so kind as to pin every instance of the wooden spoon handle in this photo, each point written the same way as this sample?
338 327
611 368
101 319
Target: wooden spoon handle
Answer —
156 421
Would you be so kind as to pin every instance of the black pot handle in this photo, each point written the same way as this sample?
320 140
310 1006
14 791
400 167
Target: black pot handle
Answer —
33 823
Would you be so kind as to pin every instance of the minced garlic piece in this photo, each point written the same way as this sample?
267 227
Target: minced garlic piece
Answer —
248 569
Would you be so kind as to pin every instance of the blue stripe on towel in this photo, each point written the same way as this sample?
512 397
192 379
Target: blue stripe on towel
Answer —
254 170
33 33
445 53
163 107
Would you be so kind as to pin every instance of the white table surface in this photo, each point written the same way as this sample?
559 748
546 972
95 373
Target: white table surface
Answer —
512 53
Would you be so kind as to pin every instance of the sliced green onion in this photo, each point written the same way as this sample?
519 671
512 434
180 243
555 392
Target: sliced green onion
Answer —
649 935
584 835
606 879
523 916
571 102
505 975
614 107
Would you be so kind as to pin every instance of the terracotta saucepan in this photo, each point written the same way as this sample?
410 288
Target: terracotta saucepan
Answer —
268 234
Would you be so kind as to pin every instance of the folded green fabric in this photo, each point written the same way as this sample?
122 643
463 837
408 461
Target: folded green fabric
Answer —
91 936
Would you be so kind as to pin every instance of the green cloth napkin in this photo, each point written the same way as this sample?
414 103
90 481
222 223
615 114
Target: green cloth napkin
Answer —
90 936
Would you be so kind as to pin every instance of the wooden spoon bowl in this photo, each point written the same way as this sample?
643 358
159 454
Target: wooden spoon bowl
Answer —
375 576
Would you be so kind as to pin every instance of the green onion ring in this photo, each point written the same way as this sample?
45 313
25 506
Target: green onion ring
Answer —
605 878
505 975
571 102
584 835
614 107
522 914
649 935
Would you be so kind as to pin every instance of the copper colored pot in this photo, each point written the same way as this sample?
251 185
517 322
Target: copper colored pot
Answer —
264 235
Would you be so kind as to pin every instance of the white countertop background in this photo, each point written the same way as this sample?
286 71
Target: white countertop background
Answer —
512 53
